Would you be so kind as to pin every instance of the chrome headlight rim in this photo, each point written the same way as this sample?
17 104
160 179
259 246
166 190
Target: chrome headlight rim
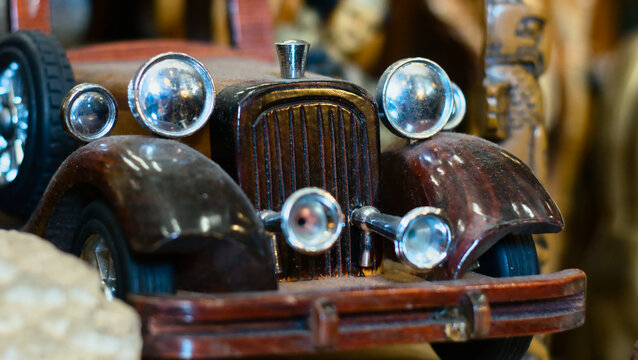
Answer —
459 109
326 200
136 107
400 243
381 99
72 96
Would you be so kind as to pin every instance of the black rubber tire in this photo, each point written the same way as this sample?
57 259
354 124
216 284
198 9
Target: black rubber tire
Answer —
514 255
49 77
135 274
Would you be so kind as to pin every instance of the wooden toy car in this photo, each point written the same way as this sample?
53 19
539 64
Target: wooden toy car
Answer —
255 198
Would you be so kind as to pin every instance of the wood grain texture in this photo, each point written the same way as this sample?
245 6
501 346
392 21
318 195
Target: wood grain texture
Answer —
277 322
484 191
277 137
169 199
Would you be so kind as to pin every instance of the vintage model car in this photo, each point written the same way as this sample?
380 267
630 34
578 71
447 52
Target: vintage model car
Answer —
238 209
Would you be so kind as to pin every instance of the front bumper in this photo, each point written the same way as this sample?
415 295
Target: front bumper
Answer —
340 314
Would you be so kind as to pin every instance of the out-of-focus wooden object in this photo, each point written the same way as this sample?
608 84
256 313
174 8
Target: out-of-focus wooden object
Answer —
26 14
249 21
515 56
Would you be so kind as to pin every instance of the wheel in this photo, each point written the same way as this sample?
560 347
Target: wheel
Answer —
35 75
100 242
514 255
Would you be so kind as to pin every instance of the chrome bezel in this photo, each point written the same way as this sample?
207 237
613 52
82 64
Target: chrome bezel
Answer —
414 214
134 87
458 111
326 200
72 96
382 87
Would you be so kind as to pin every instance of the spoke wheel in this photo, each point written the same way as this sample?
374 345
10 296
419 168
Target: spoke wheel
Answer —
97 254
514 255
14 122
100 242
34 77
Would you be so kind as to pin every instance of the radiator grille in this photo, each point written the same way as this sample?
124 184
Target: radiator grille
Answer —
324 145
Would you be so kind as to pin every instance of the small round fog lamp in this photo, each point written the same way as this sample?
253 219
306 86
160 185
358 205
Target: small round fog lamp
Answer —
423 238
415 98
311 220
172 95
458 111
88 112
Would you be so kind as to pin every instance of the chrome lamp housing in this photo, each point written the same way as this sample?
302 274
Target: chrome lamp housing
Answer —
422 237
417 99
310 219
88 112
172 95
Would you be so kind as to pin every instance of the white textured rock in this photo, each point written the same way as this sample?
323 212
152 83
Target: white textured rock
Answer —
52 307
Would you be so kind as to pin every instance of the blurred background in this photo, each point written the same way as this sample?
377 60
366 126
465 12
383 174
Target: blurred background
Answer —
565 73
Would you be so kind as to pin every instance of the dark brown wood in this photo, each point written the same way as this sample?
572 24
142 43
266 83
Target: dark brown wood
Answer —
483 190
169 199
323 323
29 14
274 137
277 322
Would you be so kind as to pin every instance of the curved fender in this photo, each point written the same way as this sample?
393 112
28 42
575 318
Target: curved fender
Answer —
484 191
168 197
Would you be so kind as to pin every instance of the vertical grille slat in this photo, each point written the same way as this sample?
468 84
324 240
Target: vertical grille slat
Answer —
267 164
346 183
280 170
335 190
328 149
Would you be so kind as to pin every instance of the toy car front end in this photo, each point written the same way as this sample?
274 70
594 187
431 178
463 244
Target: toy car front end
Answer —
281 224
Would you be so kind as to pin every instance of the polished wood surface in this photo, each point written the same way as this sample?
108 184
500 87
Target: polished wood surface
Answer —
483 190
169 199
280 322
274 137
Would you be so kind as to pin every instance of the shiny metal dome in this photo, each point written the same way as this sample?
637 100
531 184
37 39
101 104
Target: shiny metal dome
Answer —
172 95
89 112
415 97
423 238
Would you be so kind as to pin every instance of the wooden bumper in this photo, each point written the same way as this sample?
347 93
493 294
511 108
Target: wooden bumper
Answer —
359 312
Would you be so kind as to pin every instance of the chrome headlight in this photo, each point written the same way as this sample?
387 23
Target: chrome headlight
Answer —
311 220
172 95
89 112
423 238
416 98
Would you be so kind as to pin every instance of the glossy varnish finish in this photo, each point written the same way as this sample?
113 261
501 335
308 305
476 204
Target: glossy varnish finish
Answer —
284 322
483 190
171 200
277 138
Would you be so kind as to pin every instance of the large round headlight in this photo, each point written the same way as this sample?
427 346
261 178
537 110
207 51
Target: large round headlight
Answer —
415 98
423 238
172 95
